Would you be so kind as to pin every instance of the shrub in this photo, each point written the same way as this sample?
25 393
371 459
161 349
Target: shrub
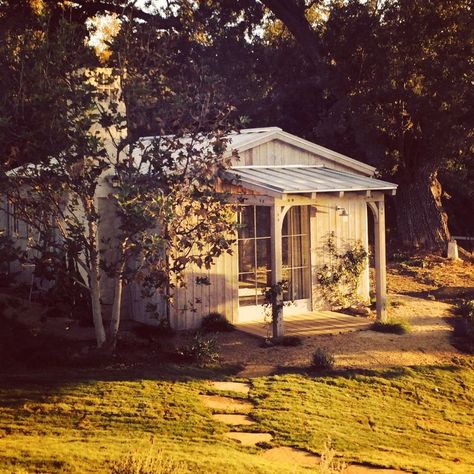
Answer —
322 360
152 461
202 350
465 309
339 279
216 322
464 326
391 326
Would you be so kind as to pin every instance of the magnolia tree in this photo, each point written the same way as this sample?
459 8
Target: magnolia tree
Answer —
164 191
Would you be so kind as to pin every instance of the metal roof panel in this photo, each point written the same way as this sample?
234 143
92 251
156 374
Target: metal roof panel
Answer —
297 179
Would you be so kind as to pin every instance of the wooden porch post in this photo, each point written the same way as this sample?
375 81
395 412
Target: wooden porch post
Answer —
378 209
276 228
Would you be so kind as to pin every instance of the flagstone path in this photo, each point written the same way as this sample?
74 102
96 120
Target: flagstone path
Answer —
234 412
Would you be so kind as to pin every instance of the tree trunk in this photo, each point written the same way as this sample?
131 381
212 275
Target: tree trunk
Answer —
421 220
96 306
94 275
292 14
116 310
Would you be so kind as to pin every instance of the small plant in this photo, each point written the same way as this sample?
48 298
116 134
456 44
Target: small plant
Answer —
216 322
322 360
273 305
151 461
202 350
391 326
465 309
329 464
464 325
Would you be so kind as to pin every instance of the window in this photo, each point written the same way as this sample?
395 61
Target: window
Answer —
254 242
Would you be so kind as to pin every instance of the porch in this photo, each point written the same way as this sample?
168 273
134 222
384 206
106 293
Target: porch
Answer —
311 323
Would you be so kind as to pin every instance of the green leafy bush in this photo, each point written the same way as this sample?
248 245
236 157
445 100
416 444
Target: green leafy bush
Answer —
322 360
202 350
339 279
392 326
464 326
465 309
216 322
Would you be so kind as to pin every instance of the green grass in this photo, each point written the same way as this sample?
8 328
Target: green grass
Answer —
418 419
391 326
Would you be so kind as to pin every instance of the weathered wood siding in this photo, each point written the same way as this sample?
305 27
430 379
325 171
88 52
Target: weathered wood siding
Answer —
276 152
196 300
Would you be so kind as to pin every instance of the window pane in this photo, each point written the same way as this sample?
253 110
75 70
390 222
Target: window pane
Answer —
247 289
246 222
246 255
262 221
263 254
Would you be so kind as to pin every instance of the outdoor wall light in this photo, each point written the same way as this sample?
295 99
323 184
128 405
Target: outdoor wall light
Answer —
343 213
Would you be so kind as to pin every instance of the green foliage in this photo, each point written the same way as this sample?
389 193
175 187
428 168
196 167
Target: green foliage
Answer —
8 253
202 350
465 309
339 280
464 326
216 322
322 360
392 326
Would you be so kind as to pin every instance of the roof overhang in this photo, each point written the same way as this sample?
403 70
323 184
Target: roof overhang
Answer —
299 179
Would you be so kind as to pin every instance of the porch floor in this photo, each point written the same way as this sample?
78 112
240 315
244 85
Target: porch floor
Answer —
309 324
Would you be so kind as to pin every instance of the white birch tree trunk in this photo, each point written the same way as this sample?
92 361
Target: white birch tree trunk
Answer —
116 308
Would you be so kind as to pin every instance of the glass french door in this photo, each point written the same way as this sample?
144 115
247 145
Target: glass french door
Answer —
255 266
296 258
254 247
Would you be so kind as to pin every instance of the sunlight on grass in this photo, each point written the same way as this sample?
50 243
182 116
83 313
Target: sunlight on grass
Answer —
417 419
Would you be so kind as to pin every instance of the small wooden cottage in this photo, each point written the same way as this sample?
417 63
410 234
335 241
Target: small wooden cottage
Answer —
293 195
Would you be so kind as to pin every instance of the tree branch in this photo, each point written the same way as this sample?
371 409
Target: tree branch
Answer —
90 8
292 14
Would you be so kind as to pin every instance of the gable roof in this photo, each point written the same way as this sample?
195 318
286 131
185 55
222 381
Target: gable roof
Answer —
299 179
253 137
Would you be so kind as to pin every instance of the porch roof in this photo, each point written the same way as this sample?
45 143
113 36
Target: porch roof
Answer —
300 179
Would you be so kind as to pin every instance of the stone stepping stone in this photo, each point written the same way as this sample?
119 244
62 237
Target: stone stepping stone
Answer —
292 456
238 387
358 469
234 419
249 439
226 404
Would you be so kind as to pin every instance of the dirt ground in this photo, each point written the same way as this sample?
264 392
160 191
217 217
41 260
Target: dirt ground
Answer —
421 291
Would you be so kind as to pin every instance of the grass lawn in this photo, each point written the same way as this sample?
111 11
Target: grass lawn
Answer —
418 419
